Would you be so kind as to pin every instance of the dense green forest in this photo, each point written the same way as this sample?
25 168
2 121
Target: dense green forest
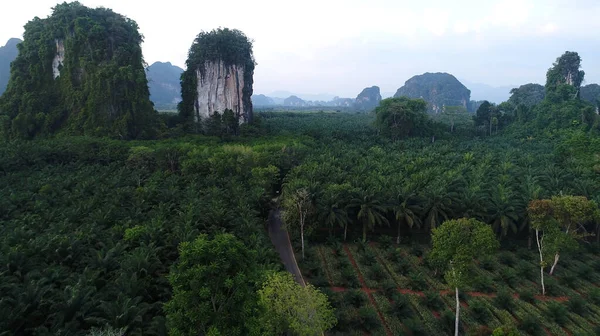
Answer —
101 234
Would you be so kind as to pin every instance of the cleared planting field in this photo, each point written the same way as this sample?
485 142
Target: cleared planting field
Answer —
388 289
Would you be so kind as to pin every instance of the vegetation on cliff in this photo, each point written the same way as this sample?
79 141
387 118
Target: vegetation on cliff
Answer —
98 88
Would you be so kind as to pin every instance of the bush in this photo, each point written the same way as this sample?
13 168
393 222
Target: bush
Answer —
504 300
488 263
509 276
447 320
368 318
368 257
479 310
355 298
577 305
527 295
525 270
433 300
557 312
389 288
415 327
417 250
530 325
505 331
482 283
402 266
507 258
417 281
386 241
594 296
568 279
320 281
480 331
401 307
346 319
585 270
552 287
376 272
596 265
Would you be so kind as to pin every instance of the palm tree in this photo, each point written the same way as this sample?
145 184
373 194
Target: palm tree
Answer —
334 215
504 210
406 210
370 211
439 201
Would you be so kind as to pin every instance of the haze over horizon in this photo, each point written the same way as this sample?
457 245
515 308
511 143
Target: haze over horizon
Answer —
340 47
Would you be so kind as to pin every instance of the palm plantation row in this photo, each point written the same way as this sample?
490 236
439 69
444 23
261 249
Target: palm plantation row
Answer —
416 188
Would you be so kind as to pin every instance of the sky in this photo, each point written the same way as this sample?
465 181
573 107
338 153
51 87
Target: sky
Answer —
341 46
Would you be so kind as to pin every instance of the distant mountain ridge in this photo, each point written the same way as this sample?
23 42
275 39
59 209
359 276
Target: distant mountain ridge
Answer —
366 101
164 85
8 53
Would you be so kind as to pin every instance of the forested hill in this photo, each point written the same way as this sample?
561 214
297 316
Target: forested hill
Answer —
79 71
8 53
437 89
164 85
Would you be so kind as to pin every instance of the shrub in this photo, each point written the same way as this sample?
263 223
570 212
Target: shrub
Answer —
377 272
509 276
368 319
417 250
530 325
346 319
386 241
552 287
479 311
577 305
402 266
368 257
525 270
584 270
389 288
480 331
320 281
447 320
527 295
596 265
505 331
568 279
433 300
401 307
557 312
482 283
504 300
507 258
355 298
594 296
488 263
417 281
414 327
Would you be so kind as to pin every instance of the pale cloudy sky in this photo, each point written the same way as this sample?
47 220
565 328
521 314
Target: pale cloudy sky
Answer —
341 46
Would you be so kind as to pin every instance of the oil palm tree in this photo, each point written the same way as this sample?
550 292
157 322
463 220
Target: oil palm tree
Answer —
407 209
370 211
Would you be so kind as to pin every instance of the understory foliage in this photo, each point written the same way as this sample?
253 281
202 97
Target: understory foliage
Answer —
102 88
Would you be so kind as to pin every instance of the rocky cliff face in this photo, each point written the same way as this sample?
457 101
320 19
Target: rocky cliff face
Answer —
221 87
368 99
59 58
437 89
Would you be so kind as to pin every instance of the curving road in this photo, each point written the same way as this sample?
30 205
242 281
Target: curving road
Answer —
281 240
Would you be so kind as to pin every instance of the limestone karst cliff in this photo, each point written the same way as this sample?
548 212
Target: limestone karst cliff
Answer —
368 99
437 89
79 71
219 77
